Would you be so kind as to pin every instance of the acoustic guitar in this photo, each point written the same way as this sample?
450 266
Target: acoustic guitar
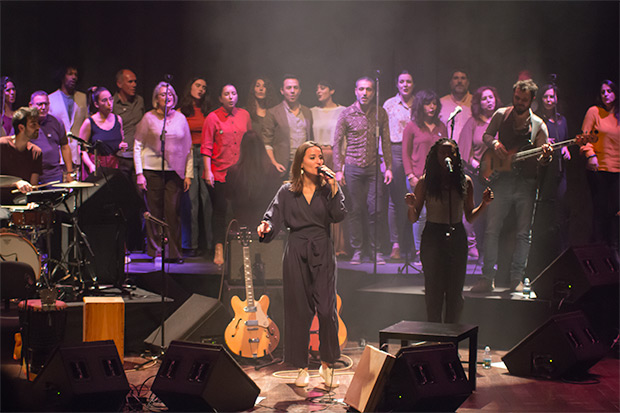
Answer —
314 331
251 333
491 165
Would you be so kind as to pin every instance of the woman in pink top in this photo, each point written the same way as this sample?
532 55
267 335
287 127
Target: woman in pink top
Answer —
483 104
419 135
222 133
603 163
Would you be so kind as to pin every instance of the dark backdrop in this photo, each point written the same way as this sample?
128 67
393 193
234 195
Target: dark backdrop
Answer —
234 41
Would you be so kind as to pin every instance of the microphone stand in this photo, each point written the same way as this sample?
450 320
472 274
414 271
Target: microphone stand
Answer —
4 82
164 238
377 167
452 126
556 119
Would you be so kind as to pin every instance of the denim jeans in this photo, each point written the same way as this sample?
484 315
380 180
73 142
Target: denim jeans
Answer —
400 228
199 200
509 190
418 227
361 184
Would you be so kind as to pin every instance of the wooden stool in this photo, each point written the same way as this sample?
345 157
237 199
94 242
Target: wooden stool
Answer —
104 319
41 330
424 331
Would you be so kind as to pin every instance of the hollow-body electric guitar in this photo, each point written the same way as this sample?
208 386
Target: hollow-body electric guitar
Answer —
251 333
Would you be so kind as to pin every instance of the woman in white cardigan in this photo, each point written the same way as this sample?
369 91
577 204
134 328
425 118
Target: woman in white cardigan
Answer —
163 189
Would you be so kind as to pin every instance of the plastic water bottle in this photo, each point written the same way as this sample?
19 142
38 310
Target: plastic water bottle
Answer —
527 288
486 359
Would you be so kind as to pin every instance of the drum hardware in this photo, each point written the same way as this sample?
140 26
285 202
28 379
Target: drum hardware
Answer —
48 299
32 223
51 196
6 181
81 262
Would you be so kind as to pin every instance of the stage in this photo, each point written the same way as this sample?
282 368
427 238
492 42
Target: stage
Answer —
371 302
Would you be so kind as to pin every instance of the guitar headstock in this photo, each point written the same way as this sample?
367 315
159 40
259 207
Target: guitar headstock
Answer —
587 137
245 236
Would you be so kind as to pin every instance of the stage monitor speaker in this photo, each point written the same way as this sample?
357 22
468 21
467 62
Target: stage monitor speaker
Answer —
114 195
82 377
266 259
426 378
577 271
565 345
203 377
200 319
366 388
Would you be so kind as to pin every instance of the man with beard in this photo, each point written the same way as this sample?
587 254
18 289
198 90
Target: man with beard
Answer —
19 157
356 166
459 96
287 126
68 105
512 128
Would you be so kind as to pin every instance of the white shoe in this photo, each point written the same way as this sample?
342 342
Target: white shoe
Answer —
328 376
303 378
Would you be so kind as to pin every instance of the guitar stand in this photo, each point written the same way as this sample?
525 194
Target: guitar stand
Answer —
268 363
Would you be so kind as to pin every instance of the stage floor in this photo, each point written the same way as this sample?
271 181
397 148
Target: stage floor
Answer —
371 302
497 390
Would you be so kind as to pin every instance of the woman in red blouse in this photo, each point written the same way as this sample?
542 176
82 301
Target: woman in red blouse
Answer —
222 133
195 105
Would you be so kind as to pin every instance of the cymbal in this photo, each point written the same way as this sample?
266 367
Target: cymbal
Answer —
74 184
8 180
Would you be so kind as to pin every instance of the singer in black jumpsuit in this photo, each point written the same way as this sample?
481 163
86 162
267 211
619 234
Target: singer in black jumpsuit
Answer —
309 267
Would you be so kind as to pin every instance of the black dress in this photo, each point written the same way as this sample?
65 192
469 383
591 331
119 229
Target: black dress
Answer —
309 269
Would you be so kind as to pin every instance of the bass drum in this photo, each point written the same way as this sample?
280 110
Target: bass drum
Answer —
16 248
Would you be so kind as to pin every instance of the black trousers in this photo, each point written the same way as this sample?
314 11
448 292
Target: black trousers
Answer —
309 285
444 261
604 190
217 193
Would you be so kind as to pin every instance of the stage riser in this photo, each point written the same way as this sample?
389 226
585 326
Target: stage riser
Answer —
502 323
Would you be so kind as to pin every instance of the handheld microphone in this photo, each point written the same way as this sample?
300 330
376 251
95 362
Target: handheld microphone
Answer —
147 215
455 112
326 172
448 162
168 78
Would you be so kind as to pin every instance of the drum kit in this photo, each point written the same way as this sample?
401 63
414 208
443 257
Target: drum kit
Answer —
24 226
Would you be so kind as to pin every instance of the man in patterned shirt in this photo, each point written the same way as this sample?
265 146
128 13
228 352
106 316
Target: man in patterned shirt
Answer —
356 168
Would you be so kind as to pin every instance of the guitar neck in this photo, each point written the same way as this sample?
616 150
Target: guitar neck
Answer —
247 271
530 153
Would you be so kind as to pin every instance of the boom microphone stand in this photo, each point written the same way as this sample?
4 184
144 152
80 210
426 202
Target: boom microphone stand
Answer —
164 238
377 157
